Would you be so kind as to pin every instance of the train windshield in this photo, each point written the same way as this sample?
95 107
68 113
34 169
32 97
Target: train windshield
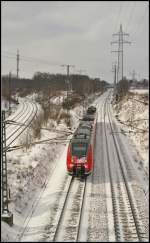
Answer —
79 149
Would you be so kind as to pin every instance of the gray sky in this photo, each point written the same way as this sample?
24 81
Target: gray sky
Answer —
49 34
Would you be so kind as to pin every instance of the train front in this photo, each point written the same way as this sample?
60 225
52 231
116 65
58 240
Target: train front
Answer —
79 158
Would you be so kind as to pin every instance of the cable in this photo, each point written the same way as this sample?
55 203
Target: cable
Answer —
120 9
33 59
51 130
131 15
145 103
140 22
46 141
123 11
23 146
7 56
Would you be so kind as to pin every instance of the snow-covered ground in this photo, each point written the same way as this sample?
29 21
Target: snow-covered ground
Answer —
139 91
134 118
38 178
5 106
30 169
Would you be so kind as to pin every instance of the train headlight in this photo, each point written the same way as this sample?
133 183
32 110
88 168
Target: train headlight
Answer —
86 166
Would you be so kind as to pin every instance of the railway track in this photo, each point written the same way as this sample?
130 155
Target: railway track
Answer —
98 227
127 221
25 119
66 221
21 109
68 225
16 120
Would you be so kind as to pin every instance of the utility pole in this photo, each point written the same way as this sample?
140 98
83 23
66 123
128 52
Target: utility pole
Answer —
120 52
114 69
9 80
17 63
68 83
6 215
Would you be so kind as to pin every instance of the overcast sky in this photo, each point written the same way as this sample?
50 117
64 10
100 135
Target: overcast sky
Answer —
49 34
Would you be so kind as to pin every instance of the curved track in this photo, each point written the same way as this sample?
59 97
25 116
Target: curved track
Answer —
21 109
20 122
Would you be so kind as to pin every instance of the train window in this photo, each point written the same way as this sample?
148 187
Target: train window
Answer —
79 149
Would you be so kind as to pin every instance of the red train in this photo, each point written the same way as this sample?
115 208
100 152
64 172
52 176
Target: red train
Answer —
80 149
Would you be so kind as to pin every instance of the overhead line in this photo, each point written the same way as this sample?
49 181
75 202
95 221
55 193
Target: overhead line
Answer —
120 9
131 15
35 62
140 22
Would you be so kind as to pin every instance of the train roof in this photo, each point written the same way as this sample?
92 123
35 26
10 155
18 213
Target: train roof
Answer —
82 134
91 109
87 124
89 117
80 139
84 130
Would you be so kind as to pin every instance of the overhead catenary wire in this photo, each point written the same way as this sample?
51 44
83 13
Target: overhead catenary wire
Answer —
44 128
56 140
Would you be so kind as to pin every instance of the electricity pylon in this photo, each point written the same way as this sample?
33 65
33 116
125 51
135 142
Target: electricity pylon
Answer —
120 52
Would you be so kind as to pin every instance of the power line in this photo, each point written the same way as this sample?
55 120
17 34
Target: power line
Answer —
123 12
140 22
8 56
131 15
119 12
10 53
31 59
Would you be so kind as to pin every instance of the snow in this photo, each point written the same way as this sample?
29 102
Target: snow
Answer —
5 106
40 215
57 100
130 110
38 179
29 170
139 91
8 232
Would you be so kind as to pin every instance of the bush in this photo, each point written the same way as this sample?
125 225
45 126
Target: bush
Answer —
122 88
70 102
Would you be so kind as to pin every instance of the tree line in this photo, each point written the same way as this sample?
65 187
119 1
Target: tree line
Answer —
82 84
